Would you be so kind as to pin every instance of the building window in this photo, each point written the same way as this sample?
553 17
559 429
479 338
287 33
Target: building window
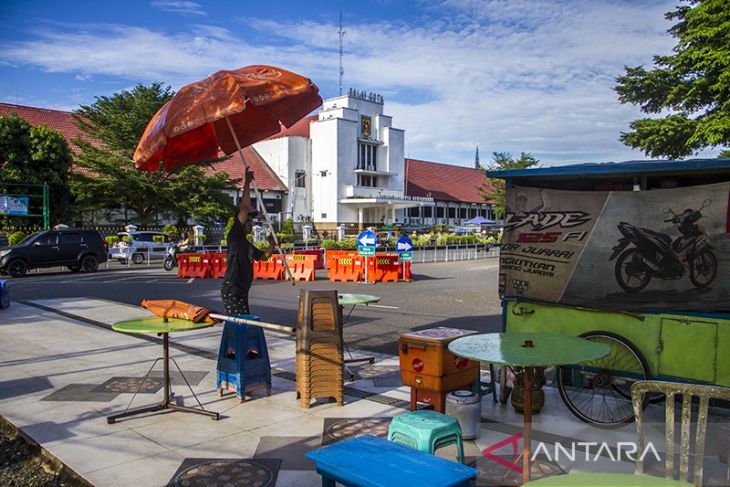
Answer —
324 215
367 181
367 157
440 212
299 179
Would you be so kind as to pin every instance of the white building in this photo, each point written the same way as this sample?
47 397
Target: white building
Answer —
346 165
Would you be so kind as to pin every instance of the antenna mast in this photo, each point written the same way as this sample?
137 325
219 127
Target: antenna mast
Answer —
342 36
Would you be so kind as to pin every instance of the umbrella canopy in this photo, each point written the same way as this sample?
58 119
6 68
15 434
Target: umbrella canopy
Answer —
225 111
479 220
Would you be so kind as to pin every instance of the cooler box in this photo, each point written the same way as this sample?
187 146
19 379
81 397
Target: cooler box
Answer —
431 370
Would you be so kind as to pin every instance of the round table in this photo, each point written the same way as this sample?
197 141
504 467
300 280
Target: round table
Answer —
527 350
353 300
606 480
161 326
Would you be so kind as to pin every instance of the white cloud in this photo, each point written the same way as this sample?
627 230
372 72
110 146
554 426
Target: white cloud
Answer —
518 75
187 8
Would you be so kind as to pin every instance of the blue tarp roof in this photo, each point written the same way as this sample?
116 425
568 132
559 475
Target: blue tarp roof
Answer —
479 220
616 168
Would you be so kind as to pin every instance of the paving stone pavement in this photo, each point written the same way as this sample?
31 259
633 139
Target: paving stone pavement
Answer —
61 375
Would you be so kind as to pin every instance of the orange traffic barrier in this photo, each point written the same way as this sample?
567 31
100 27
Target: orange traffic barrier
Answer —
271 268
347 269
301 267
193 265
333 255
318 253
218 264
408 276
383 268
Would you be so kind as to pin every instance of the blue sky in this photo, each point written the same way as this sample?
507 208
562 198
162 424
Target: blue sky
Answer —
504 75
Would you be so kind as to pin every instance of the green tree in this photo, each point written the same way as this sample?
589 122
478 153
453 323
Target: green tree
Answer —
493 188
35 155
691 87
115 124
200 197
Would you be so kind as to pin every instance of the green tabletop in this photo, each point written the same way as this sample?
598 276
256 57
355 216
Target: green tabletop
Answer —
353 299
155 324
508 349
605 480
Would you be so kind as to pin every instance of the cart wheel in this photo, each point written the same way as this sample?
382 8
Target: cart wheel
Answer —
599 391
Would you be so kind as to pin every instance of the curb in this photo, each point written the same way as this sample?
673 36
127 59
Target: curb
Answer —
50 463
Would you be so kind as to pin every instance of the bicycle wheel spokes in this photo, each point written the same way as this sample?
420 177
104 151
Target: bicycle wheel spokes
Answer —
599 391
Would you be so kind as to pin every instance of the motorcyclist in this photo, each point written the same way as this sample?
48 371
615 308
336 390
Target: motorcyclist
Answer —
184 243
176 248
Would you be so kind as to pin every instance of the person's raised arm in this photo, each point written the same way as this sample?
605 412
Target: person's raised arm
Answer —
245 205
270 249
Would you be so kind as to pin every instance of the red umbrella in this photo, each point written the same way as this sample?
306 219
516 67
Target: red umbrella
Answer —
226 111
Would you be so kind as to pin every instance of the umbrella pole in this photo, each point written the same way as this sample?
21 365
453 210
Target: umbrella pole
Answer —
261 324
260 204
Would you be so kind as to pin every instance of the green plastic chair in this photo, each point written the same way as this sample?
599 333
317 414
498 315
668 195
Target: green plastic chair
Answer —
426 431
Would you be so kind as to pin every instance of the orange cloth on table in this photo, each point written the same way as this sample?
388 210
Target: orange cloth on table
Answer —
172 308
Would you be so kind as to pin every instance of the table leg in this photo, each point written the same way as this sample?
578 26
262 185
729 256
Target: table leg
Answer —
527 436
166 367
168 394
353 360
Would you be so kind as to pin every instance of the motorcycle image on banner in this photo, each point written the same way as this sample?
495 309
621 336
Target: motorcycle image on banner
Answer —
644 254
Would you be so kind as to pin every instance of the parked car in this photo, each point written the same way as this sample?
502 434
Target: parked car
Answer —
79 250
383 236
142 245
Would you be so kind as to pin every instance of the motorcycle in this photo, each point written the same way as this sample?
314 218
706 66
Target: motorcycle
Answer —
170 261
654 254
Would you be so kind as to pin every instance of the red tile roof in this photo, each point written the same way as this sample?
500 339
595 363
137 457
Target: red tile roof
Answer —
64 122
444 182
265 178
299 129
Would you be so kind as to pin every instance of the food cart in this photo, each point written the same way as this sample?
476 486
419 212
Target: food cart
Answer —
632 254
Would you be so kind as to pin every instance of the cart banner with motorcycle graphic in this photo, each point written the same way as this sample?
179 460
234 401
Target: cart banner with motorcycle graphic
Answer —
661 249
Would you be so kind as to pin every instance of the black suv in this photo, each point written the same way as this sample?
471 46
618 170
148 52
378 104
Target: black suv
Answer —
76 249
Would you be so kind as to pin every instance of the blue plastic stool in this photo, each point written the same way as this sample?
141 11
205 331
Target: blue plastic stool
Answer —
4 294
243 359
426 431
